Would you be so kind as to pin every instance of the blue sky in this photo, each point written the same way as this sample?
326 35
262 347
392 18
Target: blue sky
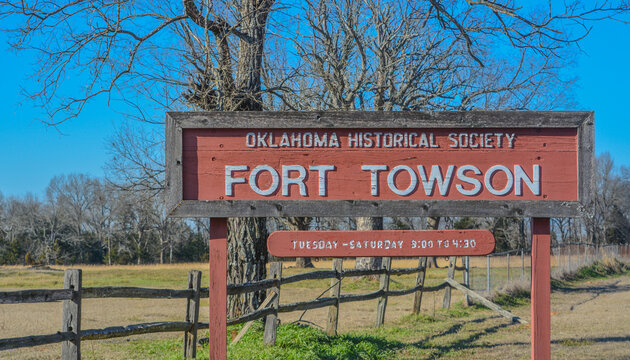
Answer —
32 153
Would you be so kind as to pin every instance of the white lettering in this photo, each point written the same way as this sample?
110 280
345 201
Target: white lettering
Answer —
520 176
262 142
299 181
391 180
462 176
490 174
388 140
453 137
253 180
229 180
412 142
374 169
320 141
272 143
296 140
499 139
432 141
353 140
367 140
322 180
284 141
334 141
436 177
424 141
510 138
250 139
307 139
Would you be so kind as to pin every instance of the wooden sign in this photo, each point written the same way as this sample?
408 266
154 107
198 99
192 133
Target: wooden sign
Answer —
380 243
478 163
379 164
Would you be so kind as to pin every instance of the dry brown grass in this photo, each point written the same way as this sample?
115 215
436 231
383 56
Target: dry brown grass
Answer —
588 320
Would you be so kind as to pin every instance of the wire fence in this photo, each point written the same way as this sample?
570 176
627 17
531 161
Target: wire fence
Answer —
493 272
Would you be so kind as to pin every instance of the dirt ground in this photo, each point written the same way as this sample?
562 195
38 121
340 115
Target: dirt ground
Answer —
589 320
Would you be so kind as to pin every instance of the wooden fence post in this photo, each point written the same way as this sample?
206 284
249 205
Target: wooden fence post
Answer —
192 314
466 279
417 299
71 349
523 264
488 280
271 322
446 304
508 267
382 301
335 291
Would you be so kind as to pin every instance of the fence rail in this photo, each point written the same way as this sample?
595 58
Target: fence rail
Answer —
35 296
71 334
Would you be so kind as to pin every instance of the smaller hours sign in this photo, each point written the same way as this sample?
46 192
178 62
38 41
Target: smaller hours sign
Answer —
380 243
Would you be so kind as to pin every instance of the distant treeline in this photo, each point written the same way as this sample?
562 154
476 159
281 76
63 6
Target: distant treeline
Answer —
89 220
82 219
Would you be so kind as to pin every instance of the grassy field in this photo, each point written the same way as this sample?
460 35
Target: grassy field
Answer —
460 332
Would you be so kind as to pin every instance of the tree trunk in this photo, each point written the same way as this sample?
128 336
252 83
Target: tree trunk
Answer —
247 250
161 250
303 262
109 250
369 223
433 223
247 256
301 223
170 250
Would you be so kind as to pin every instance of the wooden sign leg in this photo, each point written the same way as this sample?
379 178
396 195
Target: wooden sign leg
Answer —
218 289
541 289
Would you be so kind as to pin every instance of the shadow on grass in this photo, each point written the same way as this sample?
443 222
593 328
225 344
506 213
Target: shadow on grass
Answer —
603 339
301 342
458 344
603 289
429 344
576 341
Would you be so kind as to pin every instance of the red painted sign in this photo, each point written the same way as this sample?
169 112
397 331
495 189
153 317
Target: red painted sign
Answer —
380 164
380 243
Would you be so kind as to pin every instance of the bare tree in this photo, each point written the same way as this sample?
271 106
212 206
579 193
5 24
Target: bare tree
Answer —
101 214
74 194
432 55
208 55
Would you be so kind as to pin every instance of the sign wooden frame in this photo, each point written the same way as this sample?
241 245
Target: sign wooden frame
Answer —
176 122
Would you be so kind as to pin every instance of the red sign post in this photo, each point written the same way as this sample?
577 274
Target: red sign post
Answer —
518 164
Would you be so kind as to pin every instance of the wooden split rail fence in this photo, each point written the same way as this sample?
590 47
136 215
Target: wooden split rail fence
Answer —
72 334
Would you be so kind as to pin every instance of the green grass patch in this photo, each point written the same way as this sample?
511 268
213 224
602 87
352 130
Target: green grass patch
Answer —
293 342
601 269
417 319
576 342
506 300
304 342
